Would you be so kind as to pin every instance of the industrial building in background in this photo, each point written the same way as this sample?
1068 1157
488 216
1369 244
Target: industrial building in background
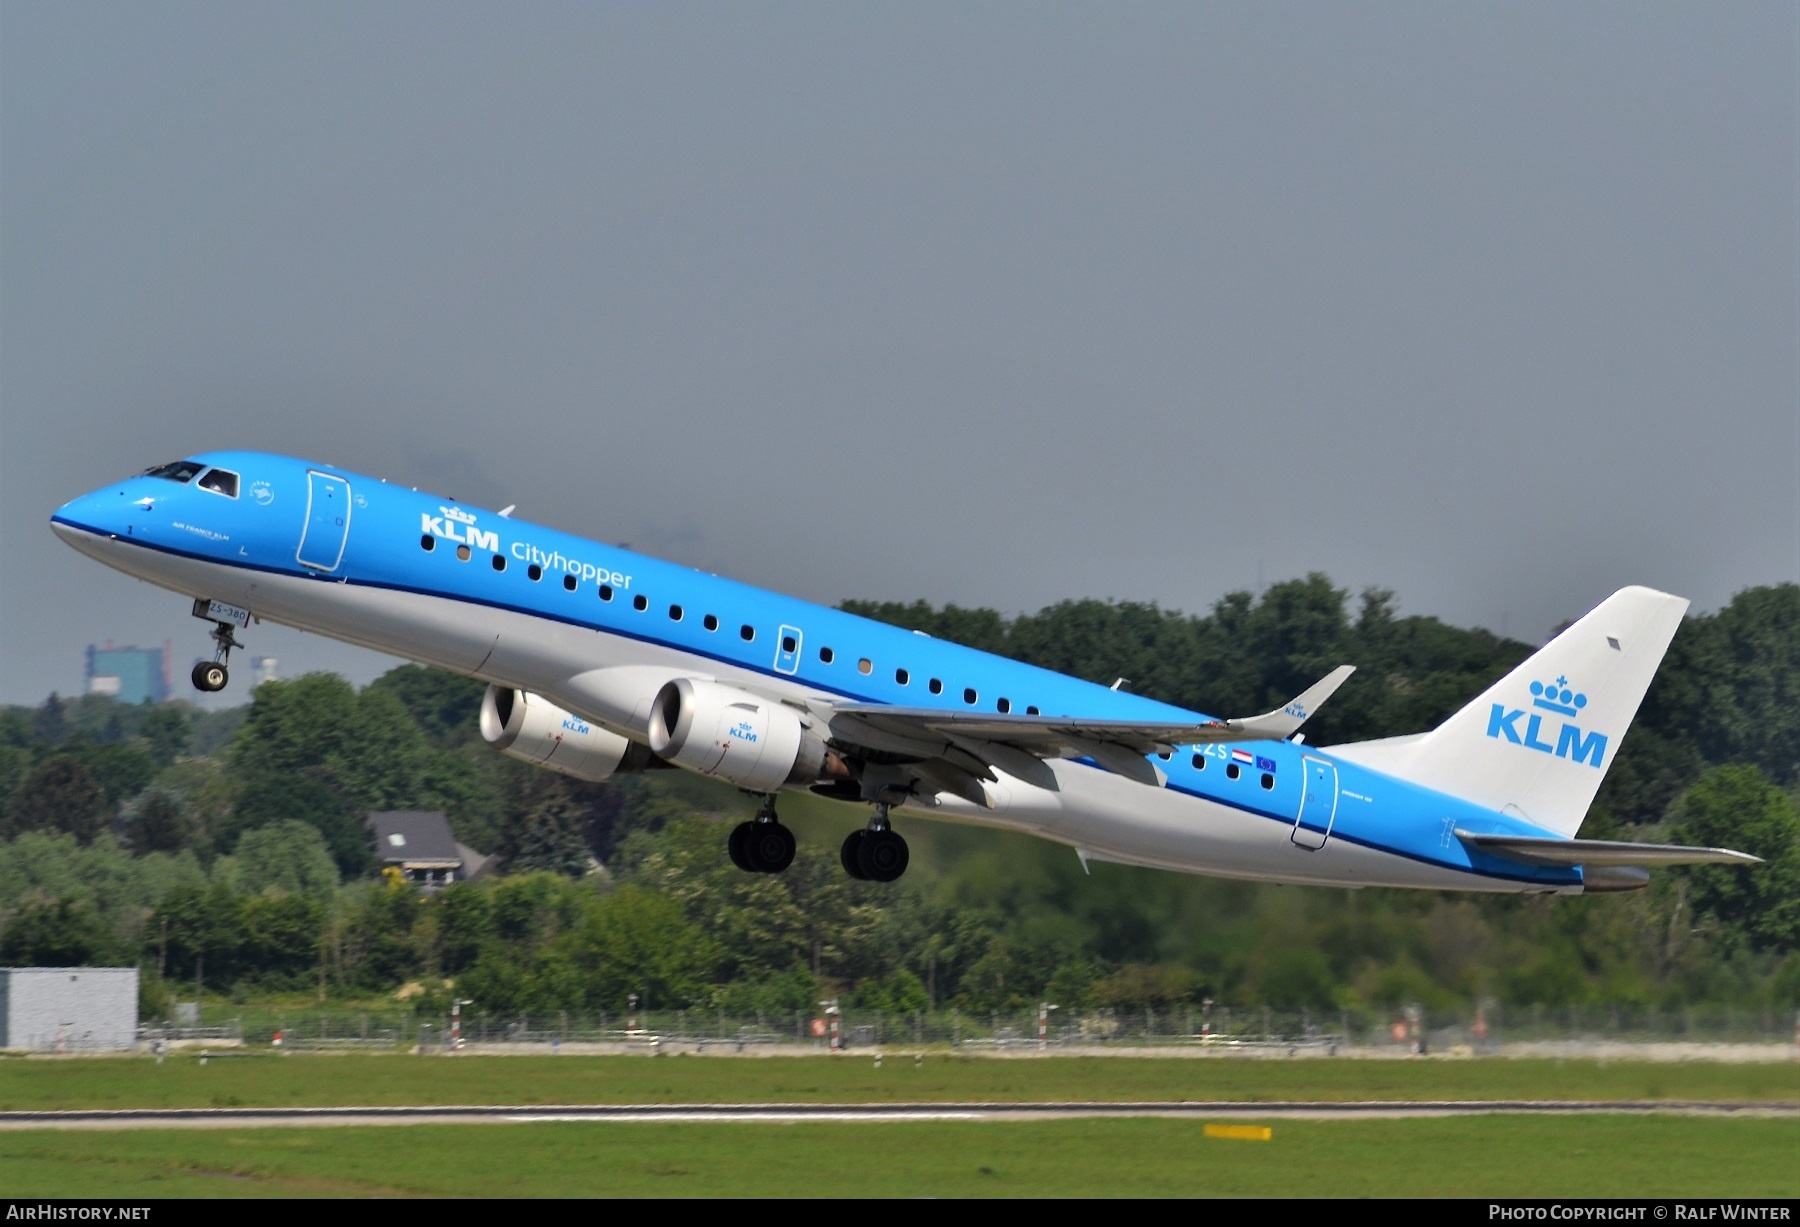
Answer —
130 674
68 1009
134 674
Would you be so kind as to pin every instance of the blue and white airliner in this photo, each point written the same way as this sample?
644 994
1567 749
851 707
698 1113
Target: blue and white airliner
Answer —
599 660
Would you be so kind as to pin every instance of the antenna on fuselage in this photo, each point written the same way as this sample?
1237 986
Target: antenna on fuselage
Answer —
510 508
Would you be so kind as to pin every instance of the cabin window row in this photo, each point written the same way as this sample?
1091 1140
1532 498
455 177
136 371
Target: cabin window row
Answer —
903 677
1233 771
747 633
607 592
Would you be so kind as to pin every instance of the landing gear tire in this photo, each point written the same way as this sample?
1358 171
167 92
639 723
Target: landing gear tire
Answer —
211 675
849 855
769 846
736 846
882 856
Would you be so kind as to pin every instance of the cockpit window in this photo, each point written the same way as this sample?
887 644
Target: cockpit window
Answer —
181 470
220 481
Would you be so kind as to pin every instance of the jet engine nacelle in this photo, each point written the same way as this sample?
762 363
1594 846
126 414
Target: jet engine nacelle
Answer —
534 730
755 743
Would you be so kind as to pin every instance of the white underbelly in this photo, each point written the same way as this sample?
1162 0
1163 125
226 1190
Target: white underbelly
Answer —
1106 817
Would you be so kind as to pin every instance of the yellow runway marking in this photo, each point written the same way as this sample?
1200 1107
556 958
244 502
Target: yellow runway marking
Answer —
1241 1133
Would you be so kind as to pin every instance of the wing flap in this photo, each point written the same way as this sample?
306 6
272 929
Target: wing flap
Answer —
975 744
1537 851
1015 762
1056 736
1121 760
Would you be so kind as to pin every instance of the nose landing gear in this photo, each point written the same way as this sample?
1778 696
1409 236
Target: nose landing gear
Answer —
762 845
877 853
212 675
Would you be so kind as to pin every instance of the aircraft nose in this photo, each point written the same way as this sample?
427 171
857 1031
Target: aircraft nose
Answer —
103 511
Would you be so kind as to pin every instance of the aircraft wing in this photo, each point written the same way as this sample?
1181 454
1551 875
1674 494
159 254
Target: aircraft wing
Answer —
1535 851
1018 744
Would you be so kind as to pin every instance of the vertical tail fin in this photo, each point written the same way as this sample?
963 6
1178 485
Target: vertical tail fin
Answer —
1538 742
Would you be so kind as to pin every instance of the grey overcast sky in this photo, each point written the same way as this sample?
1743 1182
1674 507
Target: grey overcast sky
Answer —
1494 305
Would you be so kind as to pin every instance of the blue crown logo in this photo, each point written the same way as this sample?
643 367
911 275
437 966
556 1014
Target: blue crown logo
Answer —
1557 697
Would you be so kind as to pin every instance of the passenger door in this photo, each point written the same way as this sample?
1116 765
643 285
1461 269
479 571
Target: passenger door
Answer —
1318 803
327 525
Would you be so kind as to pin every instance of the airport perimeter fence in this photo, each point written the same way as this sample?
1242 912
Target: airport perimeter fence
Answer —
1486 1029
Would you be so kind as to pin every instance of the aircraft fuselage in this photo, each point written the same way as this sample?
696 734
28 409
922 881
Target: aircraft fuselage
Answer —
598 629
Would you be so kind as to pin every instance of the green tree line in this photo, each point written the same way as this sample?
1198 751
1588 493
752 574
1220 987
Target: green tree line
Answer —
235 841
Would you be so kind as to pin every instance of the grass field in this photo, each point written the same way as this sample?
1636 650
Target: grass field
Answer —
1498 1156
309 1081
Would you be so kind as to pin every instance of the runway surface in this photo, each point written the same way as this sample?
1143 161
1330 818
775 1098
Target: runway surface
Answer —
795 1113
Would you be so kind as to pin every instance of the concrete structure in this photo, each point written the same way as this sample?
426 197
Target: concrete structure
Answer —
68 1009
129 674
419 844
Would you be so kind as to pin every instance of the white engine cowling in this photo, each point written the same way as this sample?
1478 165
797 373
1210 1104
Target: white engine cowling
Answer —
755 743
532 729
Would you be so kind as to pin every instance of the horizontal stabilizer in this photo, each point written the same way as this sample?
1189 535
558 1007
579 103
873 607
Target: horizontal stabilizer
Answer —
1532 851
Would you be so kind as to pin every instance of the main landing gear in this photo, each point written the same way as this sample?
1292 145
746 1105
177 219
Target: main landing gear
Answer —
211 675
877 853
762 845
874 854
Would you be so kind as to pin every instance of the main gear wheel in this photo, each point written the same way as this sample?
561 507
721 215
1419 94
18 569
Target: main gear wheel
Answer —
761 846
882 856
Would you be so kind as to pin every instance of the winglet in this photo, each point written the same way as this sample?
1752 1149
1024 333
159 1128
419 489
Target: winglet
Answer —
1286 721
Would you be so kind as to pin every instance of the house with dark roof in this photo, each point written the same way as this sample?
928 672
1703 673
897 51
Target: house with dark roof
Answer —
419 844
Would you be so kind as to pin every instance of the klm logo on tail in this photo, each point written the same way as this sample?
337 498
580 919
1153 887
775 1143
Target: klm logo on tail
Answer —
1571 741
